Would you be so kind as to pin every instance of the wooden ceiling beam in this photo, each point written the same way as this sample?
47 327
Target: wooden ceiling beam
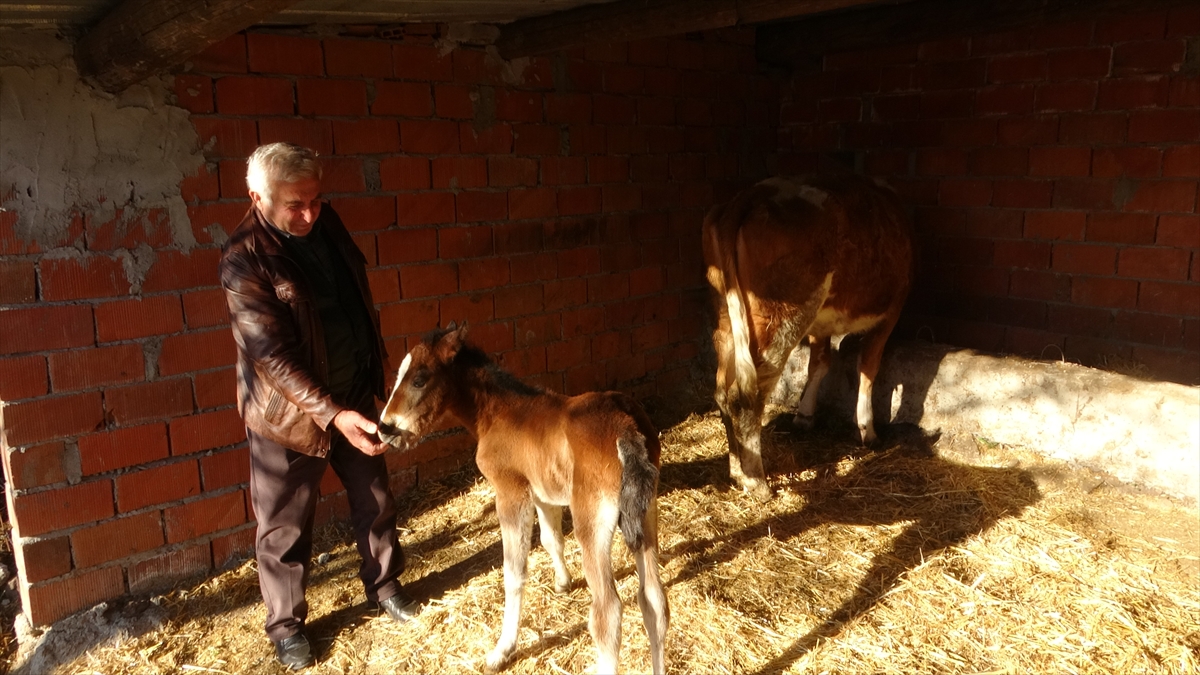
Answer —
138 38
801 44
626 20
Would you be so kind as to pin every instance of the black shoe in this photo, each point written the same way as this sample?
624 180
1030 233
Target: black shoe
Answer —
294 652
400 607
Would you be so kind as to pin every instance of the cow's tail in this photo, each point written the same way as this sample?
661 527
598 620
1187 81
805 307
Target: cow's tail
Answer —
639 487
723 241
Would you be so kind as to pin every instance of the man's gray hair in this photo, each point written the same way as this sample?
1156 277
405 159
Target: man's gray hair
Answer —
280 163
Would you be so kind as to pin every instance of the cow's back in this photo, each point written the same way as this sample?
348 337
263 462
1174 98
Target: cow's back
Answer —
786 238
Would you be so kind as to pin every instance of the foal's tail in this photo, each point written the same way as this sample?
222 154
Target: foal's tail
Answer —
639 486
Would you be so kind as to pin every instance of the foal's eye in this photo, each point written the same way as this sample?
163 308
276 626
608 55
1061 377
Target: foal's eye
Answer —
420 381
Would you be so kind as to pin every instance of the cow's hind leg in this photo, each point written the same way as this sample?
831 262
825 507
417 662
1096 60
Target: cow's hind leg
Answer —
743 427
818 367
550 522
514 509
868 367
652 599
595 525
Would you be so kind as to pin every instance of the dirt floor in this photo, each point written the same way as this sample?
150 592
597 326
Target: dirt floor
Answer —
930 554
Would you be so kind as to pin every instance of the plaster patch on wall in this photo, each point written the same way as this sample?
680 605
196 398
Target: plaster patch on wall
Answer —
67 149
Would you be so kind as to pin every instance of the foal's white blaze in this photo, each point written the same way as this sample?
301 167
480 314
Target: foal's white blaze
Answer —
401 422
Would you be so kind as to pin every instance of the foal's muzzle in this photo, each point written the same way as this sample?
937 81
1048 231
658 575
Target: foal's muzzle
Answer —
395 437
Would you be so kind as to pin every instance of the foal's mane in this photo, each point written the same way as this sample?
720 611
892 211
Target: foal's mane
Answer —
470 357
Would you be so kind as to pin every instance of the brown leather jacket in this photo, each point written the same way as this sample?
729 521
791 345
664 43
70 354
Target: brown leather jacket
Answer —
281 363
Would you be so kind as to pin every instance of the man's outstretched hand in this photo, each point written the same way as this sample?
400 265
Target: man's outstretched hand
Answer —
361 432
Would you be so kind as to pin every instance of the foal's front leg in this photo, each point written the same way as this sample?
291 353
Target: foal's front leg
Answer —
550 520
513 507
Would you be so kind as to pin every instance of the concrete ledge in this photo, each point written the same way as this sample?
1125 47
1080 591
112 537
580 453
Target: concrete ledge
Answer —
1140 432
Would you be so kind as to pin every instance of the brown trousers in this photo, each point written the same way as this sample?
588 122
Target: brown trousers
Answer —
284 486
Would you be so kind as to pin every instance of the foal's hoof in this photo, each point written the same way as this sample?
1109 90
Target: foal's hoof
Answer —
496 660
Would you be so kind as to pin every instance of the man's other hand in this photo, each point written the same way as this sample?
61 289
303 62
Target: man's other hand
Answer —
361 432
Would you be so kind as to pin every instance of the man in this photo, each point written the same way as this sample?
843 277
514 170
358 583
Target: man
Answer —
310 364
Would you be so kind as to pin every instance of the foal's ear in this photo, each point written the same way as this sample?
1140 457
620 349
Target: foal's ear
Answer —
452 341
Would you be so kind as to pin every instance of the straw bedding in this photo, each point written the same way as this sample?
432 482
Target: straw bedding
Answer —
930 555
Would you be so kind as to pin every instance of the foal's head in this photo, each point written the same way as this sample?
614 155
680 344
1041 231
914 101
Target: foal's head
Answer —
418 399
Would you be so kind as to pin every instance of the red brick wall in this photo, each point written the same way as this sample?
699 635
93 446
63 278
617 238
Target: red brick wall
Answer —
1054 173
556 208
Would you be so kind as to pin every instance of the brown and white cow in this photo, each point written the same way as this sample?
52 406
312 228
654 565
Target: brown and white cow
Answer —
814 256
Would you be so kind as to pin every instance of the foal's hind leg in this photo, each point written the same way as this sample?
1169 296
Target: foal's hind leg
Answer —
868 367
818 367
652 599
513 507
550 520
595 524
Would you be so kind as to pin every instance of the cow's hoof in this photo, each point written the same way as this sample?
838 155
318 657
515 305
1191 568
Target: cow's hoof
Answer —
758 489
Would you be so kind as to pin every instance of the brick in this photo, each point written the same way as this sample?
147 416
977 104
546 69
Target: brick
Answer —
1152 329
535 203
954 192
231 549
537 330
517 238
153 400
158 485
580 201
532 267
1084 194
1094 128
460 172
1022 194
518 301
1161 56
215 388
82 278
1180 231
37 465
418 62
120 448
60 508
196 351
434 137
476 308
1123 228
333 98
358 58
23 377
1154 263
616 198
1082 63
1163 196
455 101
564 170
1065 97
1168 298
536 139
194 93
417 281
1102 292
427 208
209 219
404 173
1055 225
1060 161
512 171
42 559
116 539
92 368
225 469
518 106
365 137
315 134
1085 259
1136 162
225 137
1130 93
496 140
249 95
267 53
205 308
177 270
205 431
572 108
1159 126
134 319
465 242
402 99
366 214
47 603
1181 161
484 273
481 206
18 282
163 571
44 419
407 245
226 56
409 318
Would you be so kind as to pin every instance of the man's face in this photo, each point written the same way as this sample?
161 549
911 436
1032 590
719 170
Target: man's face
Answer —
295 207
